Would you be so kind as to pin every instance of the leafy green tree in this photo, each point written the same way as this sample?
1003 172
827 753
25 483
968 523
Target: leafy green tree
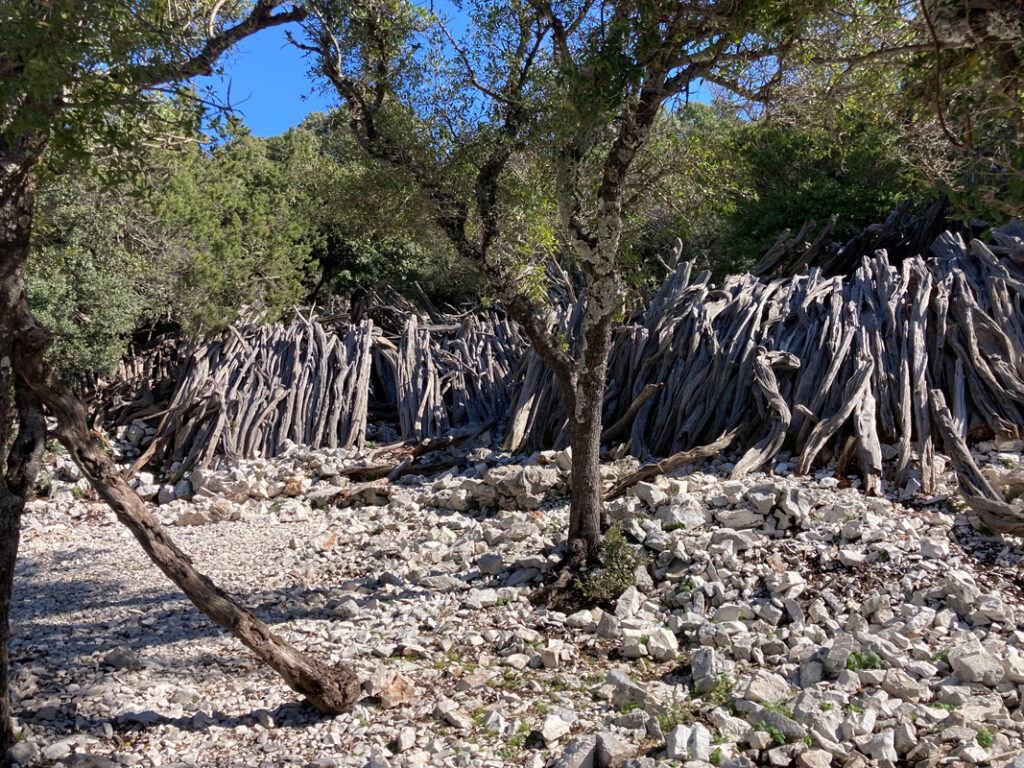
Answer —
246 243
690 182
96 271
967 93
194 235
374 225
578 85
949 71
793 169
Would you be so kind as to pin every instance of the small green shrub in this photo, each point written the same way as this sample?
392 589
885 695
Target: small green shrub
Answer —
777 735
676 713
984 738
722 692
864 660
619 562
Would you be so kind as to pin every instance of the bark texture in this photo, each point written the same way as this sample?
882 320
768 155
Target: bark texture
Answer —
21 452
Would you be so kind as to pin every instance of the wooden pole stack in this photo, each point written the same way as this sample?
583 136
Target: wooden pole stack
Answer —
257 387
894 361
806 362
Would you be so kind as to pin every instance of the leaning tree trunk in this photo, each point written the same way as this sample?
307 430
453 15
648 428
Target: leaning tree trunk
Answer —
330 690
22 344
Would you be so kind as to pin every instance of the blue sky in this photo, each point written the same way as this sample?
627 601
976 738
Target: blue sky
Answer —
265 80
267 84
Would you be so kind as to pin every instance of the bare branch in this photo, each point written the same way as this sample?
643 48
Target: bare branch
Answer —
261 17
470 71
210 24
937 82
559 32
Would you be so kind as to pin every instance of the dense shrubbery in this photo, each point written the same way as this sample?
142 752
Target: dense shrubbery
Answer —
792 170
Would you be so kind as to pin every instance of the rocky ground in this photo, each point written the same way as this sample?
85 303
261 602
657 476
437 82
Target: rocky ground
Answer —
777 621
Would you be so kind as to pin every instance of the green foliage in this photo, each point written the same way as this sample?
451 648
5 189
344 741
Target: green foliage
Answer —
373 224
686 182
85 88
88 279
794 169
199 238
777 735
676 712
778 706
722 690
236 210
863 660
84 77
968 100
617 572
985 737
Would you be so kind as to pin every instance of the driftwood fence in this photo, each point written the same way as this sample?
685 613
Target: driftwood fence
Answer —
893 361
306 382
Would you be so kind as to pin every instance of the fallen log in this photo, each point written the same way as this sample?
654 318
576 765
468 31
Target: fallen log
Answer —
658 468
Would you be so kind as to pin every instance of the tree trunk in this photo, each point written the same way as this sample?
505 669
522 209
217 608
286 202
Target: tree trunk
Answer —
585 407
585 504
23 462
19 455
11 506
22 344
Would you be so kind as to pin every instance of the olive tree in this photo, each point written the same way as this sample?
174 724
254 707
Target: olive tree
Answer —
578 84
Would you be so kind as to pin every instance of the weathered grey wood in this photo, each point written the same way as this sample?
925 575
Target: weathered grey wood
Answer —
919 382
780 415
675 461
952 322
827 427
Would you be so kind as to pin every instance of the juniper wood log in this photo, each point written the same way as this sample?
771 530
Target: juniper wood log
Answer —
681 459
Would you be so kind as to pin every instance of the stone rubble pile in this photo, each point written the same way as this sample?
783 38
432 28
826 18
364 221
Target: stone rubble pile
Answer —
778 621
